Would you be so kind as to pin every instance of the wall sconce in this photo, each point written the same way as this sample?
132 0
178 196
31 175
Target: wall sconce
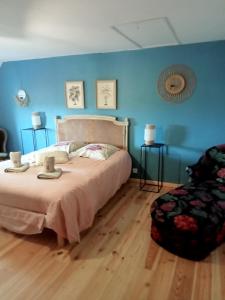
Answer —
36 120
22 98
149 135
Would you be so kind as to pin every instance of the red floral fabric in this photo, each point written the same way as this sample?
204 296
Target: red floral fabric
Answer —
190 220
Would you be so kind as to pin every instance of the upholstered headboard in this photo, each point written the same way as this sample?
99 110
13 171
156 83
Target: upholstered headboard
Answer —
93 129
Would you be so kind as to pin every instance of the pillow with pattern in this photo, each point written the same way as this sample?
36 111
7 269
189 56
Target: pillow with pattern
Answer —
97 151
68 146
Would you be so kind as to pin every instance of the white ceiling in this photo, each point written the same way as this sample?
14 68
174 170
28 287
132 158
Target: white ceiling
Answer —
46 28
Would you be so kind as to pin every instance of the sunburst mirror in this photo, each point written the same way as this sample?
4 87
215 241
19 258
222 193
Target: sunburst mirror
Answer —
176 83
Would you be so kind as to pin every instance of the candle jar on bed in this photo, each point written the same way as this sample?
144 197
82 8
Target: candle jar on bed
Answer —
15 158
48 164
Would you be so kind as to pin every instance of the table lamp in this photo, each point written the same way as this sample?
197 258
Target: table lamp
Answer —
149 135
36 120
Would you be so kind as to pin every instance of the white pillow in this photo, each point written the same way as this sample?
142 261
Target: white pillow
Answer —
61 157
97 151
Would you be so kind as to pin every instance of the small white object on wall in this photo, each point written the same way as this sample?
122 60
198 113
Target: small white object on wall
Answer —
149 136
36 120
22 98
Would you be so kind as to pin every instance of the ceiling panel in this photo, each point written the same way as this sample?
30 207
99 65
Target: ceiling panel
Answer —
149 33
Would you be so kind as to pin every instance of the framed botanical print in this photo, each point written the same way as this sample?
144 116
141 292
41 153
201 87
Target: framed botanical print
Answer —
74 94
106 94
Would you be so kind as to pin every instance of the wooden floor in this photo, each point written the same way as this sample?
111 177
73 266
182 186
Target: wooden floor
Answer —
110 263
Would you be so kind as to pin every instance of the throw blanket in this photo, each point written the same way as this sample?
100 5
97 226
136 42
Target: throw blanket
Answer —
50 175
20 169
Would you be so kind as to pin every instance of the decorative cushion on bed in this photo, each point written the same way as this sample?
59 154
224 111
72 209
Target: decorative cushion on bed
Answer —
68 146
61 157
97 151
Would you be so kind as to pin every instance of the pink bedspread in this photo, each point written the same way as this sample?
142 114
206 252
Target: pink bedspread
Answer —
68 204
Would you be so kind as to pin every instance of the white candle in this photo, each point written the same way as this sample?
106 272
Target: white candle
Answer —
15 158
48 164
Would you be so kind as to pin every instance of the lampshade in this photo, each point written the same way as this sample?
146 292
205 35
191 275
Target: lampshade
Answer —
36 120
149 136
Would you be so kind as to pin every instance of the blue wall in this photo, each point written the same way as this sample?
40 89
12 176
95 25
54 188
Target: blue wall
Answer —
187 128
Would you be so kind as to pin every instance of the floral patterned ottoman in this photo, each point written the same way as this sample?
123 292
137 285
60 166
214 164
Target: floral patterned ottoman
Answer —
190 220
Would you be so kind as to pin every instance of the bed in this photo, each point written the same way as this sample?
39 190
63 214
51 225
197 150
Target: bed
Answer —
67 205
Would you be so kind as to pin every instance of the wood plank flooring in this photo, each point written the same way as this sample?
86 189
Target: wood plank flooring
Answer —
116 260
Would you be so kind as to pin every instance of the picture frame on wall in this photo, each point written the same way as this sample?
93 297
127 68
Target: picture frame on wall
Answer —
74 91
106 94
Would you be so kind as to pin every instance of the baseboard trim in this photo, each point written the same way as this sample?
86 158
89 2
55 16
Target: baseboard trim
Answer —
166 184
